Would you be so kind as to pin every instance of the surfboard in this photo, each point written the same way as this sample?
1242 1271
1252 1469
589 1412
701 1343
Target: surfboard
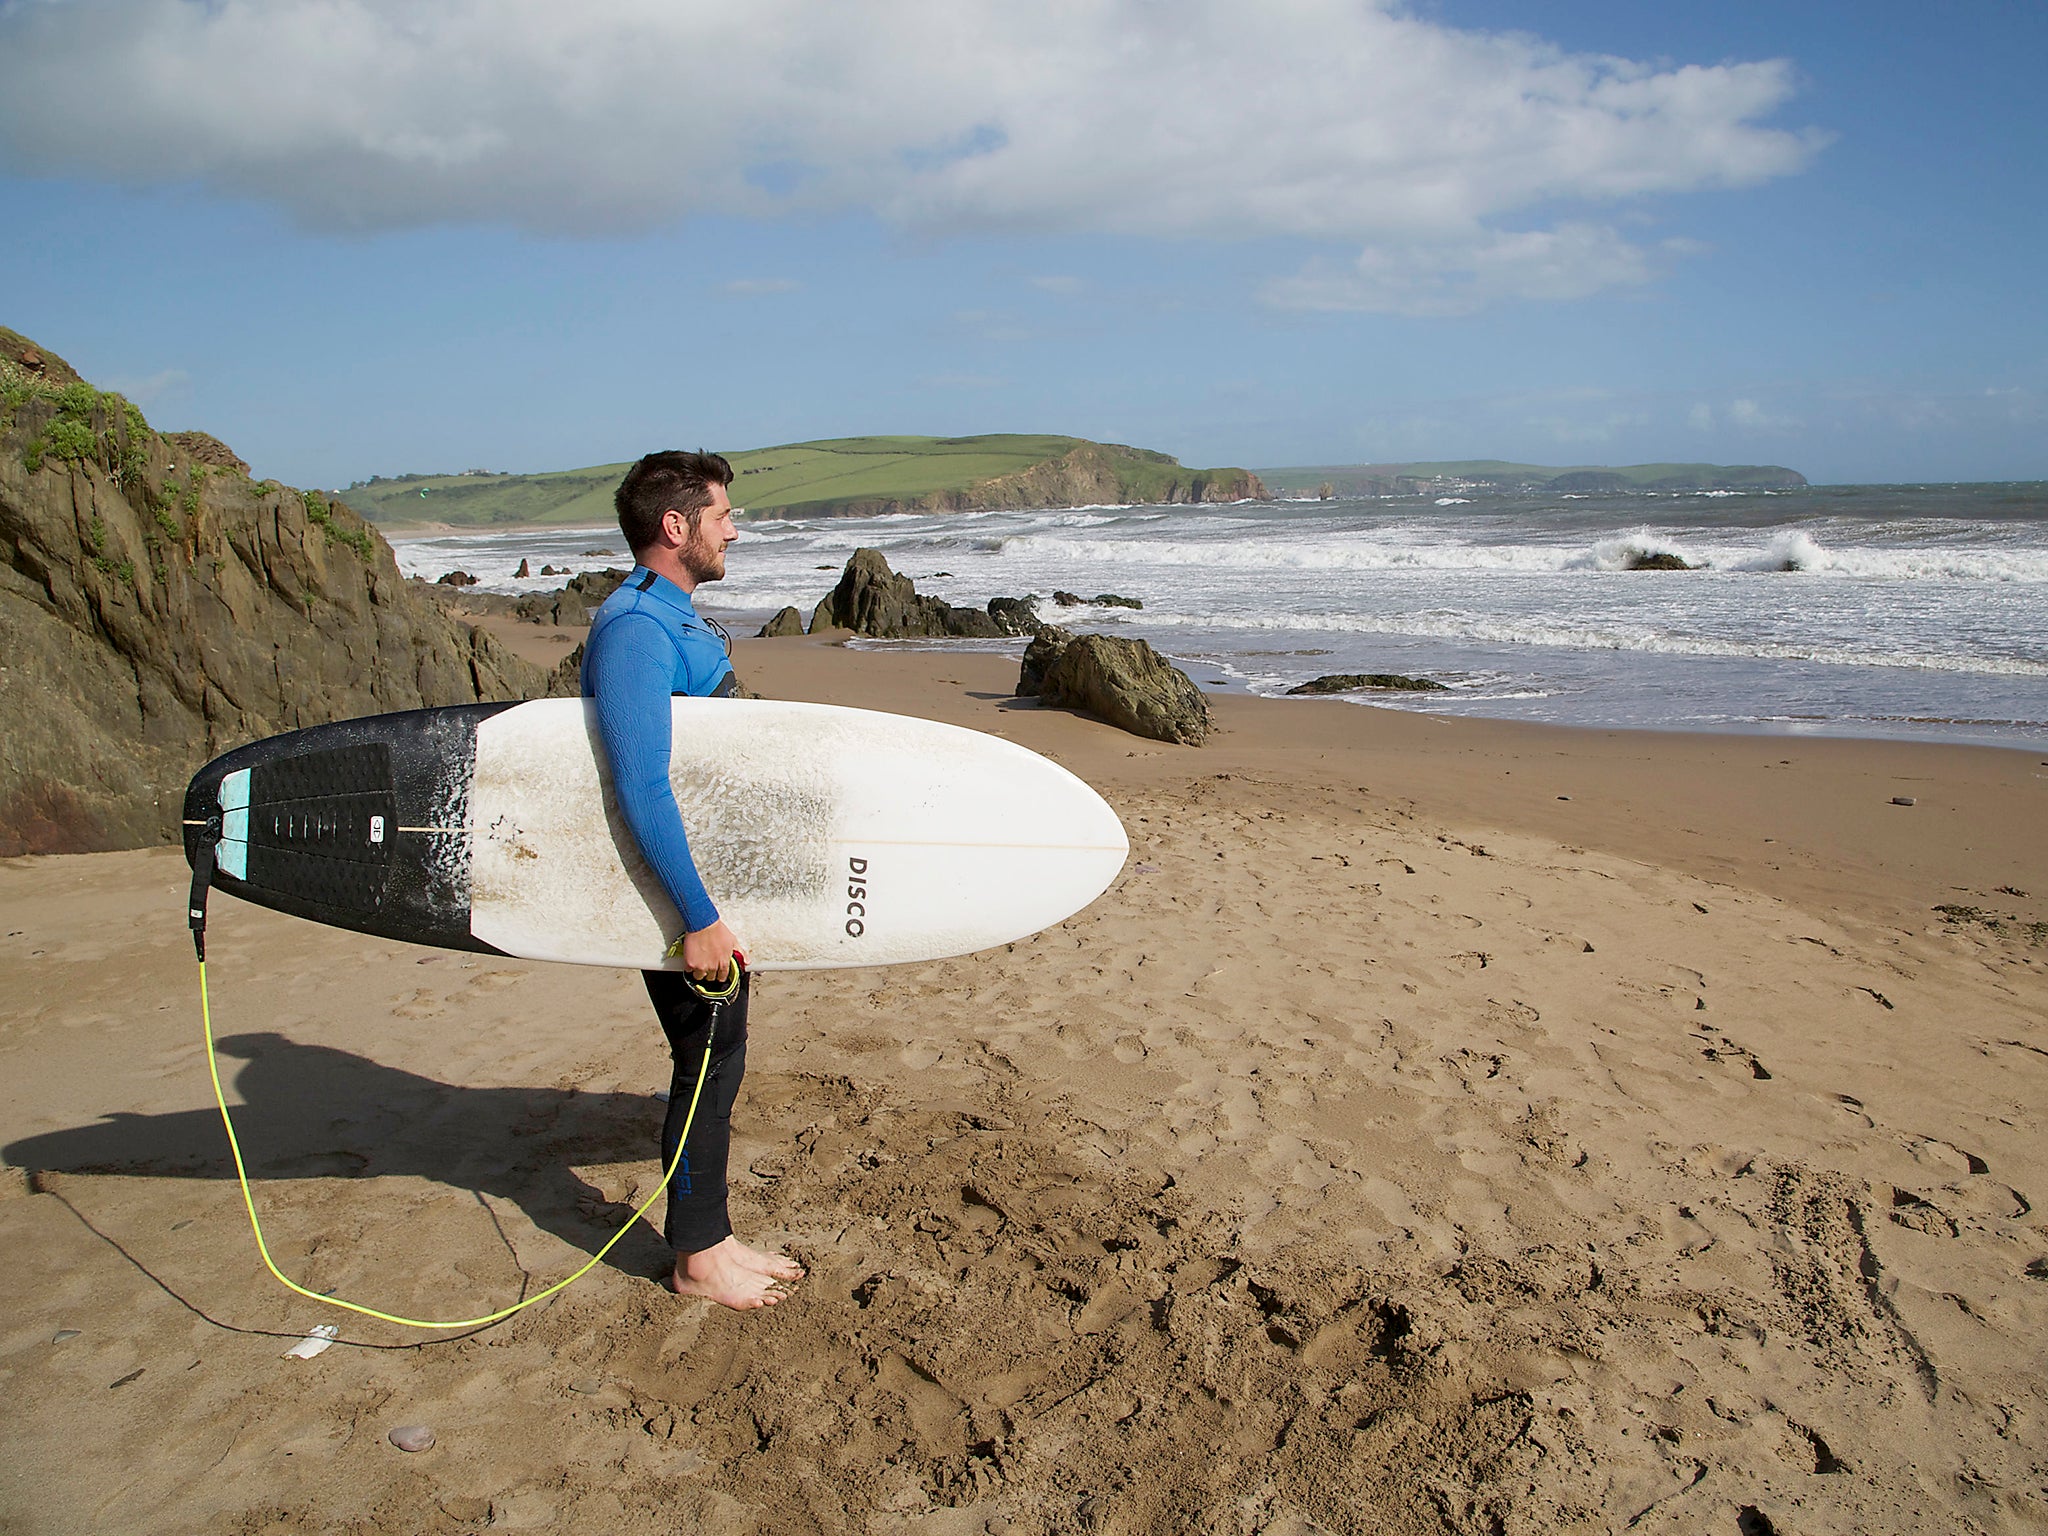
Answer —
828 836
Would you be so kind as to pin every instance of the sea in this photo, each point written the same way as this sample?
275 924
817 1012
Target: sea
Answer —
1900 611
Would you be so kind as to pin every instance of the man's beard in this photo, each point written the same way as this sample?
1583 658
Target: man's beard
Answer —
703 559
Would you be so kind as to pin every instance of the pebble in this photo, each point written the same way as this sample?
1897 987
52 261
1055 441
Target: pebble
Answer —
412 1437
587 1385
63 1335
1902 800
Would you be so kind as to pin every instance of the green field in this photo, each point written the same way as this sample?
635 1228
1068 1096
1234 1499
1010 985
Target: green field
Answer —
1380 479
820 478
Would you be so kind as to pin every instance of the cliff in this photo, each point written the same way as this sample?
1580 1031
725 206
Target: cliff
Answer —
1497 477
833 477
157 606
1087 474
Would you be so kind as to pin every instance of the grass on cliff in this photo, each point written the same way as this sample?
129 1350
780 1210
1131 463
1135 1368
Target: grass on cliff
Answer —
88 425
821 475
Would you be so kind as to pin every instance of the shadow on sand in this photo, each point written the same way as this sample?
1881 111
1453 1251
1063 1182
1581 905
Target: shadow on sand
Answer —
309 1111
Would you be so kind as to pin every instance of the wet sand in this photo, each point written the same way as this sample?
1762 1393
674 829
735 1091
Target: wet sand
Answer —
1439 1126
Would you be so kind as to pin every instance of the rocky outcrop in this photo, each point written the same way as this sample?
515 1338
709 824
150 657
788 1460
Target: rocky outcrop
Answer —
787 622
1044 649
571 607
1015 615
575 604
205 448
157 608
873 600
1351 682
1122 681
1643 560
1099 600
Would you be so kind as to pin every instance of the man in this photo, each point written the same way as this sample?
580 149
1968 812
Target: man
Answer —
646 643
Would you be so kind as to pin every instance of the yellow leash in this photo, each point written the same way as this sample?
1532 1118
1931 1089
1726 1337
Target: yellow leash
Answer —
248 1200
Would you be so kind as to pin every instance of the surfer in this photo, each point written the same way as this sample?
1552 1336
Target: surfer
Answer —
646 643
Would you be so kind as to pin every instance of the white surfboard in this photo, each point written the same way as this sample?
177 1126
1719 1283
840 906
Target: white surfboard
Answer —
827 836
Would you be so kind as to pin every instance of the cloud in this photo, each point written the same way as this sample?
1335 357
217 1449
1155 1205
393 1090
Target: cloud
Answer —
1331 120
1741 414
759 287
1457 277
170 384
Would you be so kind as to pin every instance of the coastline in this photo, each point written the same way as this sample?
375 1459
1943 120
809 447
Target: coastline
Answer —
1398 1144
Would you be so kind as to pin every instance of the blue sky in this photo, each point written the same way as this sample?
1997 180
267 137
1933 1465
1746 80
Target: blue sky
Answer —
358 237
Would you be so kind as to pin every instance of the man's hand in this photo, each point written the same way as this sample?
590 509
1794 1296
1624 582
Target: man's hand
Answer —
708 953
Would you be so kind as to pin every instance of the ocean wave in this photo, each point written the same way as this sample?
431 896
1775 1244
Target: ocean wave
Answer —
1785 551
1593 636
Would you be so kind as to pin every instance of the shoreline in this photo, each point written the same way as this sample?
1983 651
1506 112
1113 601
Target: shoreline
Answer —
1394 1136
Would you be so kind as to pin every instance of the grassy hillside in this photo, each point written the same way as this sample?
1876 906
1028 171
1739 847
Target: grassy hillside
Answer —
831 477
1501 475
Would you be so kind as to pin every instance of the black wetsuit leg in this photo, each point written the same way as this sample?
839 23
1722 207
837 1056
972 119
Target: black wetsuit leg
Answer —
697 1216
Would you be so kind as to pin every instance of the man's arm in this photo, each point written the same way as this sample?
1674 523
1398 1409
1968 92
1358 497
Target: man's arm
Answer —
630 674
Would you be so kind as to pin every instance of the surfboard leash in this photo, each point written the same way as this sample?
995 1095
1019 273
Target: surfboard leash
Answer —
202 872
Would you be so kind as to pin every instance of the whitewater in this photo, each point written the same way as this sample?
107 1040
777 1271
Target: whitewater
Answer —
1896 611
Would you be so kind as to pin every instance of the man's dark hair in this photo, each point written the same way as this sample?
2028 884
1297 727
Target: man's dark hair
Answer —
663 480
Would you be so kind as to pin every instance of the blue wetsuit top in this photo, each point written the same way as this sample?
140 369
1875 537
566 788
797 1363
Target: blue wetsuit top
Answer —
646 643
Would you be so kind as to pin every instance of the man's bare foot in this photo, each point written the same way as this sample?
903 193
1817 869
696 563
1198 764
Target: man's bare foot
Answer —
734 1275
777 1266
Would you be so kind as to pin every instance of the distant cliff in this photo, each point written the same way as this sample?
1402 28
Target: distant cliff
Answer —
157 607
833 477
1498 477
1087 474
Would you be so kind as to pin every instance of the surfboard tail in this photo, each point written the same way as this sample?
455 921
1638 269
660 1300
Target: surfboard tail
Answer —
361 824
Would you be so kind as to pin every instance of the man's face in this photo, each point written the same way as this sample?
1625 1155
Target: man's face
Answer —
703 554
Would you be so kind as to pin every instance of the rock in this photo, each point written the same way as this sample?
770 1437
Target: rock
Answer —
63 1335
525 570
574 604
1122 681
1904 800
205 448
1347 682
412 1437
1044 649
587 1385
455 579
787 622
155 611
1069 599
566 681
873 600
1111 600
1014 615
599 554
1641 560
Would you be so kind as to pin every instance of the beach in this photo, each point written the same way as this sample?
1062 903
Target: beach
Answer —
1441 1125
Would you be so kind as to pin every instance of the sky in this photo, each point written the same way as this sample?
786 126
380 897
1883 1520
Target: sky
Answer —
357 237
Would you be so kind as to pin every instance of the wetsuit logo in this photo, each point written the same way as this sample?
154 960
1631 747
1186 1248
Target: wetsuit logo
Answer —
856 897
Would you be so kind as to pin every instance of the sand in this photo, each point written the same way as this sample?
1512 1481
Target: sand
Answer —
1439 1126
